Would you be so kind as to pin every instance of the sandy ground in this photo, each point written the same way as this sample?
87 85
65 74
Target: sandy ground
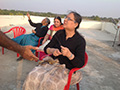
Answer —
101 73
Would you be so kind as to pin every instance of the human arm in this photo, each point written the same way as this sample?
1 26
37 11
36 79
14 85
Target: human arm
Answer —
76 55
51 48
28 15
33 31
30 21
25 51
79 59
76 46
45 38
47 35
66 52
53 51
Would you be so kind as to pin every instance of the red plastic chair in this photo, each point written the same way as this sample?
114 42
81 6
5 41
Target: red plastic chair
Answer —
17 31
72 71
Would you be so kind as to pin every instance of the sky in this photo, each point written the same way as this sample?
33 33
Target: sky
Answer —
101 8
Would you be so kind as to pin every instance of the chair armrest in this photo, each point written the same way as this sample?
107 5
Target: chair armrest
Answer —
43 54
39 41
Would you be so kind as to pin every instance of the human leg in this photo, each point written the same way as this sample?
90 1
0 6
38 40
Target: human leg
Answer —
18 39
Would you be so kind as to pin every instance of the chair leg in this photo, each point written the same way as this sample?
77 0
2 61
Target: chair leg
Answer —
36 54
2 50
17 54
77 86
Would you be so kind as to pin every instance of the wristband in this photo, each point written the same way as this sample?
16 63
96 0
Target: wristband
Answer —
71 55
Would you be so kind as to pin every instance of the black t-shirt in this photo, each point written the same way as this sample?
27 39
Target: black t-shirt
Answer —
41 31
76 45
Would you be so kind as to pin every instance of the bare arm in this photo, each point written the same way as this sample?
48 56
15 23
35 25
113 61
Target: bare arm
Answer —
28 15
25 51
30 21
45 38
33 31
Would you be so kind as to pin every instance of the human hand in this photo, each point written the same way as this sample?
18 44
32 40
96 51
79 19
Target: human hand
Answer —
65 51
55 52
33 31
28 15
27 54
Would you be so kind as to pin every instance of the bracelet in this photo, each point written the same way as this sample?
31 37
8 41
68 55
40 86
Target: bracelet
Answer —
71 55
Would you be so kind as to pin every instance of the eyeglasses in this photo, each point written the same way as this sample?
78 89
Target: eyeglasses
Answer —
69 19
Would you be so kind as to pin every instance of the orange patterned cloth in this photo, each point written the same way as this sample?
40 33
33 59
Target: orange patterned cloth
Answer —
52 27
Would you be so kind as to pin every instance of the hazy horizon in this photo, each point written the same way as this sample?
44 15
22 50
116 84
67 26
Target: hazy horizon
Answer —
101 8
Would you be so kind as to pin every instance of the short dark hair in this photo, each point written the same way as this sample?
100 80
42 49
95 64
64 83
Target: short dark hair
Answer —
77 17
48 21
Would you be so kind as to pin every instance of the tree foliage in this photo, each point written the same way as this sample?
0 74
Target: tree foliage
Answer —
49 14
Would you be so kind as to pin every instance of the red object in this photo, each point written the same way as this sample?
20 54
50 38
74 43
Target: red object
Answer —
72 71
41 54
17 31
36 52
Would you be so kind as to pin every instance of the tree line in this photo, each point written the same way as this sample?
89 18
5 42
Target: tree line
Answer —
19 12
49 14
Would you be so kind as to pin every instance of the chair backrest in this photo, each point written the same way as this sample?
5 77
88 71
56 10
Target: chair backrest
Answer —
41 39
17 31
86 60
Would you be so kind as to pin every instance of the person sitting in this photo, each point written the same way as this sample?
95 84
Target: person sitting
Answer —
68 47
52 30
32 39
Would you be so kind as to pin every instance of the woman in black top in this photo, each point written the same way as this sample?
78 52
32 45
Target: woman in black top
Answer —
32 39
68 45
40 28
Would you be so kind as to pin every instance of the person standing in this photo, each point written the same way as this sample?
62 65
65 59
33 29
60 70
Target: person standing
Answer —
118 26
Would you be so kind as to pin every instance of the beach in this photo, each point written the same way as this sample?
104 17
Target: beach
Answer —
101 73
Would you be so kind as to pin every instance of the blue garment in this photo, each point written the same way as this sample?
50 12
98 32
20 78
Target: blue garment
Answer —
27 39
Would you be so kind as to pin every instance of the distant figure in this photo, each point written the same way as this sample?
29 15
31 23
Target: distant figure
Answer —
68 47
52 30
24 51
118 26
32 39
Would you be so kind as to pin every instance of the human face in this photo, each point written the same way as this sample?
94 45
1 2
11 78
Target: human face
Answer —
57 23
69 22
44 21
